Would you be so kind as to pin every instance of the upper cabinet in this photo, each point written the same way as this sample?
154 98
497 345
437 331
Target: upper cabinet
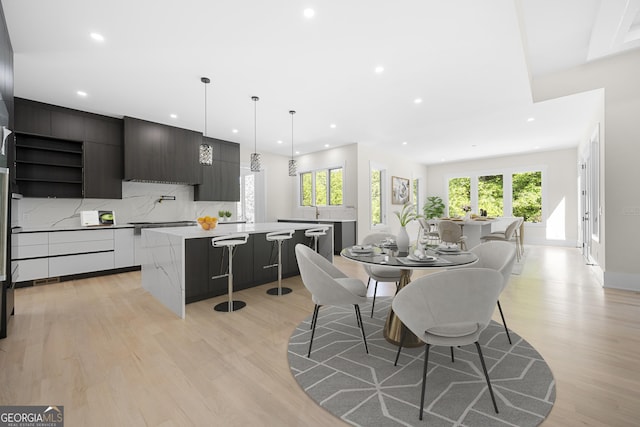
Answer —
160 153
221 180
62 152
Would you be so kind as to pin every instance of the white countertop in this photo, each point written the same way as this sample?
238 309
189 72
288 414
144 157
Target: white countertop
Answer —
196 232
317 220
68 228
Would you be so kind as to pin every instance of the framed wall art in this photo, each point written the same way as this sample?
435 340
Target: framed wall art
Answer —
400 190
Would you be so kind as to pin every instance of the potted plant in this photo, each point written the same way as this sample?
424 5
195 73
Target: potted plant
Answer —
221 215
227 214
405 216
433 207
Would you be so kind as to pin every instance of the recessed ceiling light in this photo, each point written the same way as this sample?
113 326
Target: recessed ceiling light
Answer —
379 69
417 101
309 13
97 37
297 152
442 160
173 116
234 130
530 119
537 147
279 142
81 93
326 145
332 125
404 142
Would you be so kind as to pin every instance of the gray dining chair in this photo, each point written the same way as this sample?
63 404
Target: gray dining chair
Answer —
449 308
377 273
510 233
499 256
428 231
329 286
450 232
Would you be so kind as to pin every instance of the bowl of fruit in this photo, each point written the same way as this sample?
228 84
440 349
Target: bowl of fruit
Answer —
208 222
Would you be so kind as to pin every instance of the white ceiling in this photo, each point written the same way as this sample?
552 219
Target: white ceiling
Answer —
464 59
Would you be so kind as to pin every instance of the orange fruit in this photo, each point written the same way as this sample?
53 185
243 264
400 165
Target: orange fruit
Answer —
200 220
205 225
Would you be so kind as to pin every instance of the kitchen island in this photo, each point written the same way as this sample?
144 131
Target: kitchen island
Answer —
180 261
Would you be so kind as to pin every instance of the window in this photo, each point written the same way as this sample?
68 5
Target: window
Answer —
459 195
335 187
490 195
321 188
500 194
376 197
527 195
416 195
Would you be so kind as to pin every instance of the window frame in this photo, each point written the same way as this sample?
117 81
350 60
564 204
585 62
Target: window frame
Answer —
384 190
507 189
314 173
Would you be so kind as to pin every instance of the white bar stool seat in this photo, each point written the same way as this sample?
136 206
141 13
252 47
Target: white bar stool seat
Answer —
230 241
279 236
315 233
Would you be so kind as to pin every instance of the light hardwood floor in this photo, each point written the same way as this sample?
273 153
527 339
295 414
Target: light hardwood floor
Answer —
113 355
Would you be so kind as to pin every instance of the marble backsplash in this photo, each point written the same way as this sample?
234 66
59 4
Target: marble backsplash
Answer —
140 202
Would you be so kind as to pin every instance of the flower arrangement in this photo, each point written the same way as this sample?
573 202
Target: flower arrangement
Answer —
407 213
466 208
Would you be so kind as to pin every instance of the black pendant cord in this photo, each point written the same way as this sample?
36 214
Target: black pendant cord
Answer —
292 112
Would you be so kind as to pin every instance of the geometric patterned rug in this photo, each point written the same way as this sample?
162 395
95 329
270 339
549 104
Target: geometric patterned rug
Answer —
367 390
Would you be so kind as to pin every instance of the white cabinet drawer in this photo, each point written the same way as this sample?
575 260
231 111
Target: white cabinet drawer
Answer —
31 269
80 247
79 242
27 239
79 236
29 245
76 264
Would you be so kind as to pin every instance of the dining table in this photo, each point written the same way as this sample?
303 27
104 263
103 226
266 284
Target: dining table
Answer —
428 258
474 228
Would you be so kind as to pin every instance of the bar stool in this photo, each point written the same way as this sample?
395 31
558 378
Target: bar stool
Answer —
279 237
230 241
315 233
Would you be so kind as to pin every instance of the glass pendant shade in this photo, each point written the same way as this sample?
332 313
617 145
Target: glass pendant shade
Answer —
293 166
255 156
255 162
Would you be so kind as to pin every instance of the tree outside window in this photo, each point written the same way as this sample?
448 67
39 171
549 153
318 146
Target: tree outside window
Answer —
376 197
335 189
321 188
527 195
459 195
490 195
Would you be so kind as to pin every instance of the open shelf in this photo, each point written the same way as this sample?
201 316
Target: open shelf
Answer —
49 167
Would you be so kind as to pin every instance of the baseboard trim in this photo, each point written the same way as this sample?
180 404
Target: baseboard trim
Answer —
624 281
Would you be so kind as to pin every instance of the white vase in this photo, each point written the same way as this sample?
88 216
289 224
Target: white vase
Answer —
403 240
467 215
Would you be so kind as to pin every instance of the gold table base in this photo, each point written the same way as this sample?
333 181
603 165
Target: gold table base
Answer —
393 327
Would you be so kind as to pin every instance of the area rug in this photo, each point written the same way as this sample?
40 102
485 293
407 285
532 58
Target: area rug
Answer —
367 390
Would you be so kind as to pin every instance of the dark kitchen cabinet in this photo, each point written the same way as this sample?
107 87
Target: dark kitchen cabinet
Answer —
156 152
62 152
48 167
221 180
103 171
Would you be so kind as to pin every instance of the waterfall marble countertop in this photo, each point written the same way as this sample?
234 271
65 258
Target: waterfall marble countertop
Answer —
196 232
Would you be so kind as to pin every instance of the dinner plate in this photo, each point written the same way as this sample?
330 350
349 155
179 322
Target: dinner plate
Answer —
427 258
448 248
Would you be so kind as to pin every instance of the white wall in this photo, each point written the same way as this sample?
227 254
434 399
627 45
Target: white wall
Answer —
618 75
560 201
345 157
396 164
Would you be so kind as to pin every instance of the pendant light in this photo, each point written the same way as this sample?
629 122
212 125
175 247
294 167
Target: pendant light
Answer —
292 163
206 150
255 156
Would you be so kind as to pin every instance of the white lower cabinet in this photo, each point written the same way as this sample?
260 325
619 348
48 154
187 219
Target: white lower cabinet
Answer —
31 269
124 248
77 264
42 255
